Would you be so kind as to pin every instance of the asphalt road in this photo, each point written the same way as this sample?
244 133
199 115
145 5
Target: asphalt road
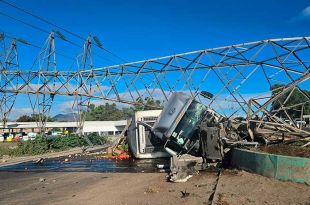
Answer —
235 187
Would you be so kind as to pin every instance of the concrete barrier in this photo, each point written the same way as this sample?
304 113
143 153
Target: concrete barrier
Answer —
285 168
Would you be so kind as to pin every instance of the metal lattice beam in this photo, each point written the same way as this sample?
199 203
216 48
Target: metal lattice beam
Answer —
9 61
236 75
42 102
82 103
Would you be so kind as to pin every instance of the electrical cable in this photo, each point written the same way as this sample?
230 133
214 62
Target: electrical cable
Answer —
45 31
32 44
57 52
38 47
50 23
42 19
27 24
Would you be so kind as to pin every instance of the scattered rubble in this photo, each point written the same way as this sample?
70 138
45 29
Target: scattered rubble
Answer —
196 135
118 152
184 194
221 200
201 185
151 190
41 179
39 161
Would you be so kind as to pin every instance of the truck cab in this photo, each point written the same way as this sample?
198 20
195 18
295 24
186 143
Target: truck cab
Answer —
142 142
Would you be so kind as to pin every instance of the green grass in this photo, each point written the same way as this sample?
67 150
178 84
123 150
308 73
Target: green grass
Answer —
8 144
43 145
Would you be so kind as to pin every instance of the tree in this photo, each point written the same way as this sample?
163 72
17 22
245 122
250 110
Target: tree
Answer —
128 112
147 104
24 118
104 112
109 112
32 118
297 97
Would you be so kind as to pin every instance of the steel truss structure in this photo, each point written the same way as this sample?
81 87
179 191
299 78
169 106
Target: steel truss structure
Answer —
243 80
9 61
82 103
41 103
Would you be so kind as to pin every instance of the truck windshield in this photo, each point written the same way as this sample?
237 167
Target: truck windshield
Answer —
186 127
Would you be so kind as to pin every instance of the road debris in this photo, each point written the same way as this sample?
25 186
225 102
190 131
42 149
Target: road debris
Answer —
118 152
41 179
151 190
184 194
201 185
196 136
39 161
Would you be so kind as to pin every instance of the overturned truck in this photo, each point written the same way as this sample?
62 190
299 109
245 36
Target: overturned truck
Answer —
195 136
187 131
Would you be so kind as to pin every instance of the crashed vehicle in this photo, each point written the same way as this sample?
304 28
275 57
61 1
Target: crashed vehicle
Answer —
192 134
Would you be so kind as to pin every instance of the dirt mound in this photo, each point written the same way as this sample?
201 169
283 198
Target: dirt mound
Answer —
289 150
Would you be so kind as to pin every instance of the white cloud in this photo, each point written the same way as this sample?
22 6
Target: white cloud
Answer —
306 12
303 15
224 104
17 112
157 94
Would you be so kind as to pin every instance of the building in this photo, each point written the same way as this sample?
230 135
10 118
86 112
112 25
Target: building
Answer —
102 128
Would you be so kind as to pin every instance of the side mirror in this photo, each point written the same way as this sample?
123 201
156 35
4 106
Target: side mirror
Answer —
206 94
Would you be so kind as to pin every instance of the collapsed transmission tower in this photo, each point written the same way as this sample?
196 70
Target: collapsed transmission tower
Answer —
244 80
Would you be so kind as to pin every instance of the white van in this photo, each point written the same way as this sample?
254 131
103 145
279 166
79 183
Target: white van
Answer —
25 138
57 133
1 138
32 135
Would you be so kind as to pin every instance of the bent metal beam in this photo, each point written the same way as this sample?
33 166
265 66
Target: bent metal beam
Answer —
234 74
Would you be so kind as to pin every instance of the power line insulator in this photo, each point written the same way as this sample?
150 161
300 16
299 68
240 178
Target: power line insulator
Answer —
97 41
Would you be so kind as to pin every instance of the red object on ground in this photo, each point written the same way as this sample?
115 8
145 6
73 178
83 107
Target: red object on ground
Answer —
16 138
123 156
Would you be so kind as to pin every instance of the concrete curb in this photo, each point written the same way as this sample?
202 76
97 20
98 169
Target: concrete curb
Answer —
284 168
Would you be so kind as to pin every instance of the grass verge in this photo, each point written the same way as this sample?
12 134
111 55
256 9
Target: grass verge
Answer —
43 145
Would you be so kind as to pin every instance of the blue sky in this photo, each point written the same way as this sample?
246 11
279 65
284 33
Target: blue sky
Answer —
144 29
138 30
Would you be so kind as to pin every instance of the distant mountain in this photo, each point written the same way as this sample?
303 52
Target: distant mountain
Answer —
64 117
